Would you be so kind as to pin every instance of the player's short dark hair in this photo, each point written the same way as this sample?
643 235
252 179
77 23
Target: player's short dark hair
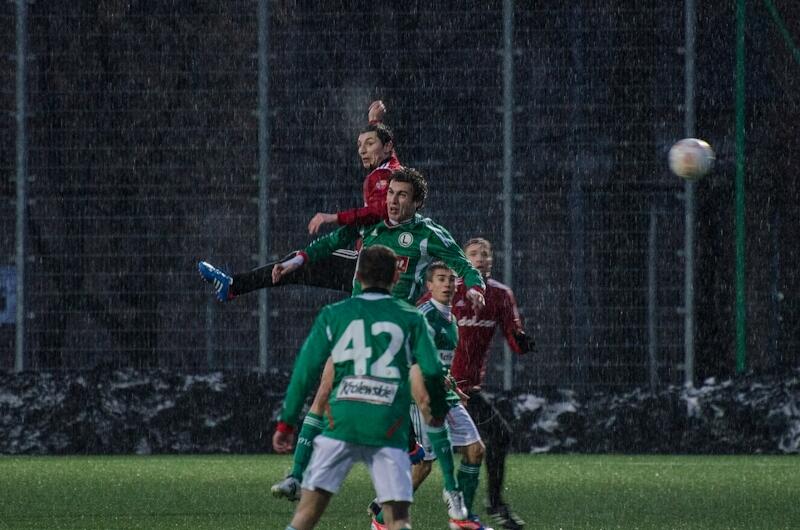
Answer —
479 241
436 266
376 265
418 183
384 133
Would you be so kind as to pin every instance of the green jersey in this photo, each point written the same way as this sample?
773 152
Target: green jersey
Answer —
417 242
373 339
445 337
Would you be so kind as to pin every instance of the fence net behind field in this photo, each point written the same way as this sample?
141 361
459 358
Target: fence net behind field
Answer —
144 156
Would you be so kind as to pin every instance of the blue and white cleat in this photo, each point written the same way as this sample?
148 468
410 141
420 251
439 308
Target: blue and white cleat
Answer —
218 279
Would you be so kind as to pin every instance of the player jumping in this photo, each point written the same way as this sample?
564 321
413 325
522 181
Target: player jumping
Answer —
376 149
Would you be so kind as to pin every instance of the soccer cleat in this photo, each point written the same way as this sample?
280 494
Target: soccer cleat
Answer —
503 516
375 525
455 505
218 279
416 455
288 488
470 523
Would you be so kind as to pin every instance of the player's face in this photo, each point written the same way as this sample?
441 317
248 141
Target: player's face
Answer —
442 286
399 201
371 150
481 258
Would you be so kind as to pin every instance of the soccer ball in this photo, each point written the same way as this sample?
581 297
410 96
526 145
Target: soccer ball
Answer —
691 158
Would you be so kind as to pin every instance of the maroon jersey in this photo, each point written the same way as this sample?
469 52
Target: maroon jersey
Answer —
475 332
376 185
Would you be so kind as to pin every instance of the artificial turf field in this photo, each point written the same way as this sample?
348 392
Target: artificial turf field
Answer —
549 491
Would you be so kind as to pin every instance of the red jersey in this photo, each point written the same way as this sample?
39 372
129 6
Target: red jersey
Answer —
475 332
376 185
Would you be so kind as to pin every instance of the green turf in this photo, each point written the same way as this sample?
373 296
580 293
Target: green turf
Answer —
226 492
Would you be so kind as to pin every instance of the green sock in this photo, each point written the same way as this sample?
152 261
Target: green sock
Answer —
312 426
440 440
379 517
468 476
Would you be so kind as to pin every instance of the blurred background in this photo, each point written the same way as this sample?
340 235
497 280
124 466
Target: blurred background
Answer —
150 135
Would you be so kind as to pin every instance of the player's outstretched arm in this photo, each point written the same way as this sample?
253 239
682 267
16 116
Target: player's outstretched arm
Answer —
443 246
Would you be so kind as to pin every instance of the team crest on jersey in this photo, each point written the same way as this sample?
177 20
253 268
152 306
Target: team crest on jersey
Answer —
368 389
405 239
402 263
381 184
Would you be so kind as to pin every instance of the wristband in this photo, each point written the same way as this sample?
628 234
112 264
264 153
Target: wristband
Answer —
298 260
285 428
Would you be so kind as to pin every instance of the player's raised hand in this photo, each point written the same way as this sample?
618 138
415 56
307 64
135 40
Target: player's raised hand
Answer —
282 442
477 299
319 220
377 110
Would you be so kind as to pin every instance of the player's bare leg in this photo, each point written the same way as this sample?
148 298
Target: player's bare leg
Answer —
396 515
310 509
420 472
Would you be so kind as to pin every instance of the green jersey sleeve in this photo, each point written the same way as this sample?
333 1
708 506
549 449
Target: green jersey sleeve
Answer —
307 368
442 246
325 245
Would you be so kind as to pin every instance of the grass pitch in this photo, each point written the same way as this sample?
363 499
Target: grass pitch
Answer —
548 491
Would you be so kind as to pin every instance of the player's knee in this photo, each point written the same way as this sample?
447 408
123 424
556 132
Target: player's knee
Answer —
474 452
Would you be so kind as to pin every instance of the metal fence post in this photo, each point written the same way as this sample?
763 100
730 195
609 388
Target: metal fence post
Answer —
508 168
689 202
263 178
652 299
22 178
